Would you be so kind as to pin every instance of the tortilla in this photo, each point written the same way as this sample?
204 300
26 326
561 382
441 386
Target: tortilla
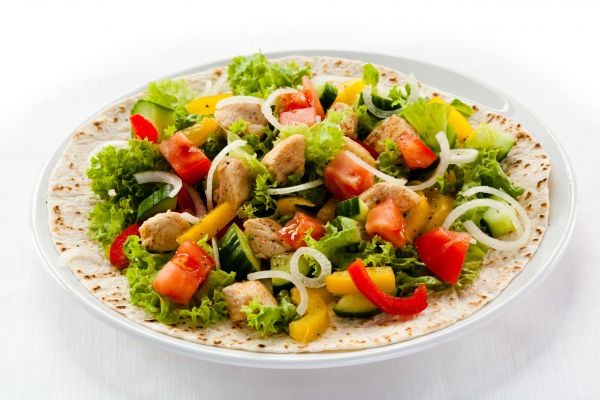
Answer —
70 200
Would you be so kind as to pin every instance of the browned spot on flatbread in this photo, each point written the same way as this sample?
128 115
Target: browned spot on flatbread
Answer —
98 125
540 183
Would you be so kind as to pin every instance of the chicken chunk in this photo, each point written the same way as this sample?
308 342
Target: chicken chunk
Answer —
286 158
235 182
404 197
160 232
250 113
392 128
262 234
350 122
242 293
359 151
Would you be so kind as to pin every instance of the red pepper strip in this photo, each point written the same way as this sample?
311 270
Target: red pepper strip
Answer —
117 254
414 304
143 129
185 202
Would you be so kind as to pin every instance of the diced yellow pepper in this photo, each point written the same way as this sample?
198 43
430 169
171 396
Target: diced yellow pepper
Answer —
287 205
198 133
341 283
349 90
458 121
314 322
321 292
440 206
416 219
212 222
205 105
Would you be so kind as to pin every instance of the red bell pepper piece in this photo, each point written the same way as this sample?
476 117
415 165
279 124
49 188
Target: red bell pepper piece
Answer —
416 154
414 304
117 255
185 202
143 129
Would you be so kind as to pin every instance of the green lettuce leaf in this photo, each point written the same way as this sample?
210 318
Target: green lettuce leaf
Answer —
390 161
170 93
472 266
428 119
108 219
370 76
268 319
339 233
465 109
213 145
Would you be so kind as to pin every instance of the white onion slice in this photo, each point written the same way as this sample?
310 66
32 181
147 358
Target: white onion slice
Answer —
442 165
297 188
414 89
111 192
319 257
373 170
266 106
199 206
469 205
463 156
189 218
238 100
215 247
378 112
160 177
68 256
213 167
301 308
118 144
496 192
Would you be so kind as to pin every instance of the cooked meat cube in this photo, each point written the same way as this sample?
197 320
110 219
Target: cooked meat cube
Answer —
242 293
286 158
250 113
160 232
404 197
391 128
235 182
262 234
350 122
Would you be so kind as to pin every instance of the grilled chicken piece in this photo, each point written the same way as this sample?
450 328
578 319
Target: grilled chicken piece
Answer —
242 293
160 232
391 128
350 123
359 151
250 113
286 158
404 197
262 234
235 182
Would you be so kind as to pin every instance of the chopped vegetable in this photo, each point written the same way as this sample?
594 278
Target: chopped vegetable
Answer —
349 91
443 252
213 222
198 134
387 221
117 252
306 116
428 119
345 178
170 93
415 153
296 229
457 119
187 160
417 219
267 319
143 129
205 105
341 282
314 323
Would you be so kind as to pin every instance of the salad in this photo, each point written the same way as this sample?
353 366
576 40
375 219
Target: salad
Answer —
290 199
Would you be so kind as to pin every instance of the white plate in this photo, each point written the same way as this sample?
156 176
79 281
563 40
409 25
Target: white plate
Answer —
562 218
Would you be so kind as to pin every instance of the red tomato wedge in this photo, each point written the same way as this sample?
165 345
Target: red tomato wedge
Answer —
306 116
142 128
443 252
368 148
185 202
117 255
292 101
387 221
184 273
416 154
345 178
311 95
295 230
187 160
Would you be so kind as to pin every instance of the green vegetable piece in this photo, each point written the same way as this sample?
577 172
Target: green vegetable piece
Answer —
355 306
429 118
327 95
465 109
353 208
370 76
236 254
158 202
171 93
160 116
268 319
498 222
281 262
485 137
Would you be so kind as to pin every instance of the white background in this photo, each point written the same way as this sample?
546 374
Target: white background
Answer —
61 61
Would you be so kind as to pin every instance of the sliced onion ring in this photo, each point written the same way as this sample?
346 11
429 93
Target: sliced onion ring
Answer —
238 100
319 257
373 170
266 106
463 156
442 165
414 89
495 204
301 308
215 247
78 252
199 206
378 112
160 176
213 167
189 218
297 188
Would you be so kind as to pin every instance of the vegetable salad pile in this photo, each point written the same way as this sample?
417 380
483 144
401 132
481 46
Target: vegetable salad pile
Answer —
294 195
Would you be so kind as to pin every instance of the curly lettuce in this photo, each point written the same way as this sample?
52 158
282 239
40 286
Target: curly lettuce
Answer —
429 118
170 93
108 219
267 319
390 161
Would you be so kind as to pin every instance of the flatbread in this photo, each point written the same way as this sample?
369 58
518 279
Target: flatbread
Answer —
70 200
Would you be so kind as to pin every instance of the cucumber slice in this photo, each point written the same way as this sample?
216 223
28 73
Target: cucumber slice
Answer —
484 137
355 306
498 223
236 254
353 208
281 262
160 116
327 95
158 202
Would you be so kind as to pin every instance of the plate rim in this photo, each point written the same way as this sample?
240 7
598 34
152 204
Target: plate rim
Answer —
310 360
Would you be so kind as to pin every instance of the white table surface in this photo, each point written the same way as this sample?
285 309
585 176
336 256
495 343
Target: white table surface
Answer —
61 61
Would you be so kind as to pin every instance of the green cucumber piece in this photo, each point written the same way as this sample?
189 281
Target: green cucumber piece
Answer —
355 306
353 208
485 137
160 116
281 262
498 222
236 254
158 202
327 95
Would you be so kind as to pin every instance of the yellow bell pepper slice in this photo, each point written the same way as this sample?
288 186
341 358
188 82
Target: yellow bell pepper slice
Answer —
456 120
341 283
205 105
416 219
321 292
440 206
287 205
349 90
198 133
314 322
212 222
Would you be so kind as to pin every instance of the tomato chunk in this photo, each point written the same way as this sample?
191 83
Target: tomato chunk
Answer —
187 160
295 230
142 128
387 221
416 154
443 252
311 95
306 116
184 273
345 178
117 255
185 202
292 101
